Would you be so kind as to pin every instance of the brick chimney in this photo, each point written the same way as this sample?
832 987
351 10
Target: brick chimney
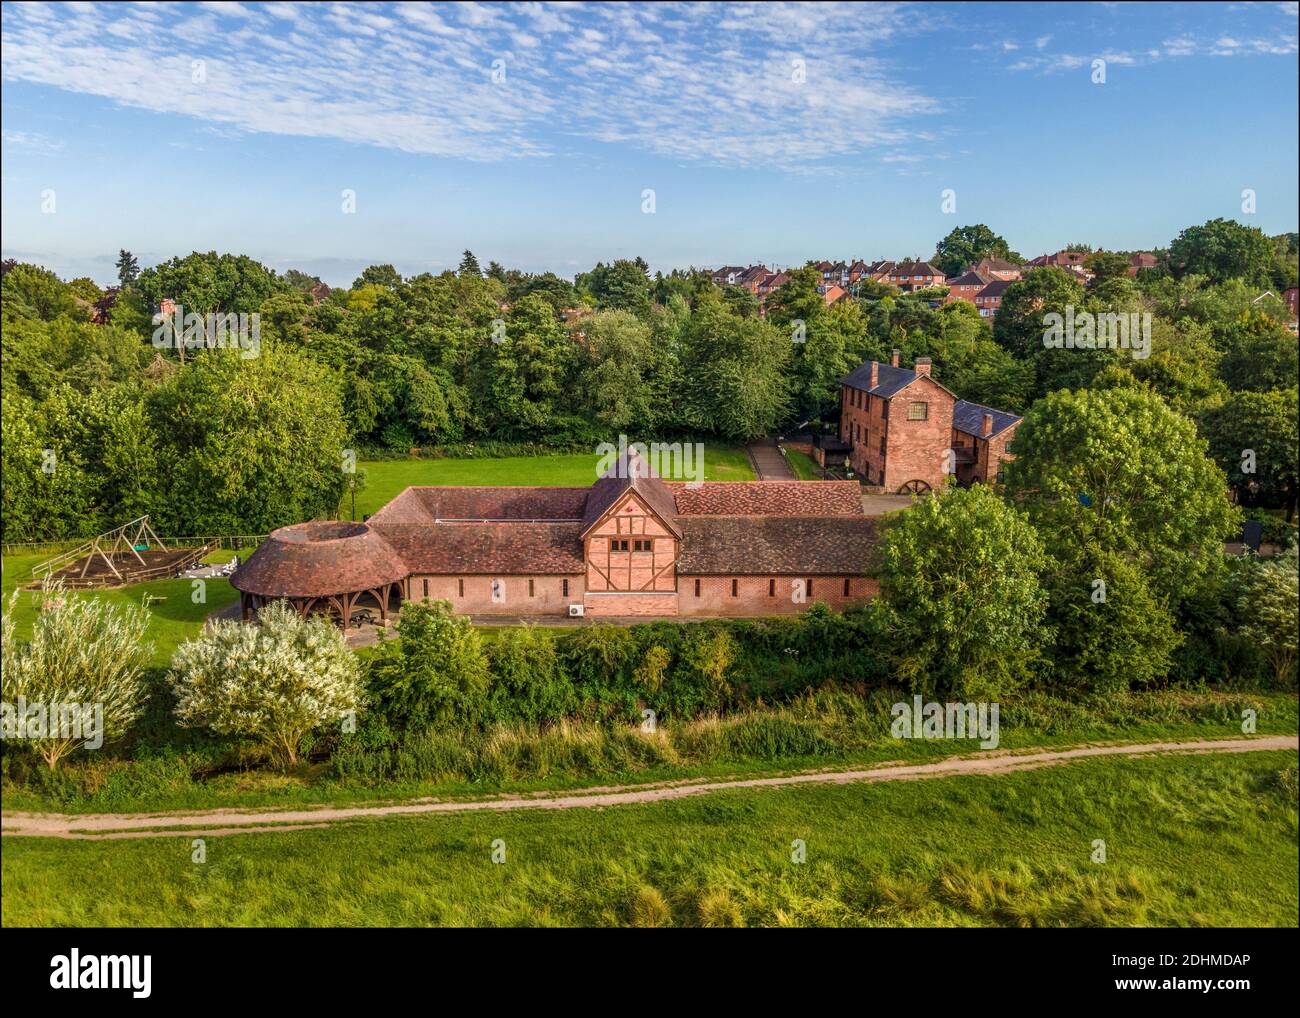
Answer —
988 426
922 366
875 374
893 358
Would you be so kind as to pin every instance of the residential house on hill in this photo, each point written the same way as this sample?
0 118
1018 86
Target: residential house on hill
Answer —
910 276
966 286
989 299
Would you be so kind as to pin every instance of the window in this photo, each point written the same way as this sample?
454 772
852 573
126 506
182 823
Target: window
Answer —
460 587
697 586
734 585
565 586
846 586
647 545
426 588
808 586
882 445
617 544
771 588
884 409
918 411
530 586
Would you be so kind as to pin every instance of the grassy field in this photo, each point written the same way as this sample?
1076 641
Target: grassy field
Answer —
837 730
1208 841
387 478
175 616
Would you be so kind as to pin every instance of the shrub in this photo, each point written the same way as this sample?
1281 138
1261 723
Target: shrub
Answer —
272 681
437 673
527 678
85 653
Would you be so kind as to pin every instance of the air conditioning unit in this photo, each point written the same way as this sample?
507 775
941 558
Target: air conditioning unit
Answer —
576 610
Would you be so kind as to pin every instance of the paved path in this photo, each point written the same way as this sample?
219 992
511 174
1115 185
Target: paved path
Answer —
228 821
769 464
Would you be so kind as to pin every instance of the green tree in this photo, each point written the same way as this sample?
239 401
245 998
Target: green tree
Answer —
968 244
128 268
83 651
960 596
1111 632
249 444
436 674
1118 471
1267 610
1253 436
618 362
734 373
273 681
1222 249
469 265
1107 265
210 283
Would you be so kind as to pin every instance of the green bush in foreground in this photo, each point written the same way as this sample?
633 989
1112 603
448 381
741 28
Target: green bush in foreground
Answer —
272 681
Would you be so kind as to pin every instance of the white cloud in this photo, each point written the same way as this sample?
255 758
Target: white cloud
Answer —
709 83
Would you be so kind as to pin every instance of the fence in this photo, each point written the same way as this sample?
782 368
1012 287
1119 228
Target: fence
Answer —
231 542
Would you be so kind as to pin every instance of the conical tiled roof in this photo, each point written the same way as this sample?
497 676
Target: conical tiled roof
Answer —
319 559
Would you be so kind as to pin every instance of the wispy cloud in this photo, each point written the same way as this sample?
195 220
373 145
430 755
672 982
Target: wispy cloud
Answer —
737 85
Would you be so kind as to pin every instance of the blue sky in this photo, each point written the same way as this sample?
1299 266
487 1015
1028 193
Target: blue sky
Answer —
768 132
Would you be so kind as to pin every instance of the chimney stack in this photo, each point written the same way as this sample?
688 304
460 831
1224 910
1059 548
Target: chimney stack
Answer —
893 358
922 366
988 426
875 374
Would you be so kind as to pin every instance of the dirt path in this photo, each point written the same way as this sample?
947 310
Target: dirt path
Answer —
228 821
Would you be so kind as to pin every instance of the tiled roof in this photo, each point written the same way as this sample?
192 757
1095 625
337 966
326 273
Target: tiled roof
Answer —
889 379
629 472
995 288
969 418
489 548
318 559
767 498
916 269
970 278
432 503
797 545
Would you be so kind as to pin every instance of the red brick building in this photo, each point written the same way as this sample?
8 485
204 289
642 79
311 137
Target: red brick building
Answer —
966 286
909 276
989 299
908 433
629 545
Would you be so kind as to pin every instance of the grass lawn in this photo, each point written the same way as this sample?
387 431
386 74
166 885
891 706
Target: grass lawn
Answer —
1197 840
175 618
804 466
387 478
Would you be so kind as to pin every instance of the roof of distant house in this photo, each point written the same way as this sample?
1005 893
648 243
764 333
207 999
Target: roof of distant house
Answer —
995 288
970 278
915 269
968 417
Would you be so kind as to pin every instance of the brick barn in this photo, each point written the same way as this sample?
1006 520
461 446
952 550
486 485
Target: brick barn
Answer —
908 433
631 544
